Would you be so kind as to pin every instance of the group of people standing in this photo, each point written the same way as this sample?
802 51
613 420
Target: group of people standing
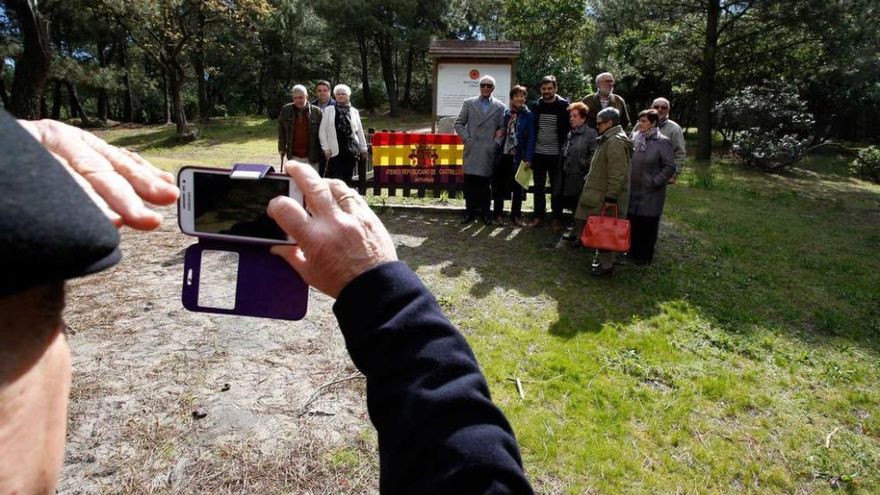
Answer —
325 132
593 165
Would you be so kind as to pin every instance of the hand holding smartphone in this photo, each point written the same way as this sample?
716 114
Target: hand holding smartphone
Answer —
215 205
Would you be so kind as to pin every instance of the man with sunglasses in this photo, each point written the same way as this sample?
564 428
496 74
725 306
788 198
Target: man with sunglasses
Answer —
479 124
672 130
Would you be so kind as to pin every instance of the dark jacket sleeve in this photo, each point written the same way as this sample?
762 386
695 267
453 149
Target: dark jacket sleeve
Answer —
282 132
438 429
667 164
562 124
531 137
624 114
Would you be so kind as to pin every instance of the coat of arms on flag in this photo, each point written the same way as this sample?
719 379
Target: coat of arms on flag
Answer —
402 159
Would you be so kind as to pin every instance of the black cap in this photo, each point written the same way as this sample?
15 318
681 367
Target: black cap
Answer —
50 230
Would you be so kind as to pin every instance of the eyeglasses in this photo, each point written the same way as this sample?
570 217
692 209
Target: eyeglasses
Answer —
486 85
660 107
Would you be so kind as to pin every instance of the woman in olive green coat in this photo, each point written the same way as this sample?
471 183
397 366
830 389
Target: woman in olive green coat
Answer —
608 181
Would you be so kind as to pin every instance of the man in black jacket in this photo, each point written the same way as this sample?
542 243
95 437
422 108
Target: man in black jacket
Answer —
298 124
551 128
438 429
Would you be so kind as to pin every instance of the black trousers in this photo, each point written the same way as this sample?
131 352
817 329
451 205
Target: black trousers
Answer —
477 195
341 166
643 238
544 166
504 185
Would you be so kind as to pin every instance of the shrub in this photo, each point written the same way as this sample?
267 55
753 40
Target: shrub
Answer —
769 125
867 164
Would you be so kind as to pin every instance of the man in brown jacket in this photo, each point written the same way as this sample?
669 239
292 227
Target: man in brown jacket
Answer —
605 97
608 181
298 125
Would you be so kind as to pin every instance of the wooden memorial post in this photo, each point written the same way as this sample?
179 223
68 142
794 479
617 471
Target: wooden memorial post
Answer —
458 67
405 161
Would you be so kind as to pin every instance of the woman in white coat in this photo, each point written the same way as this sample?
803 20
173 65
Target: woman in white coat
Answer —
342 135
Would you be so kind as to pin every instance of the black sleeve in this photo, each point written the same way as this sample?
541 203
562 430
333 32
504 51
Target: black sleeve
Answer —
438 429
50 230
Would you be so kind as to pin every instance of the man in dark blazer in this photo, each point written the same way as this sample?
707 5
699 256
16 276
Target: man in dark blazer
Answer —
479 123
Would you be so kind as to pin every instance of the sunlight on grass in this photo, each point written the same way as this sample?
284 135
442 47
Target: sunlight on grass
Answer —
745 360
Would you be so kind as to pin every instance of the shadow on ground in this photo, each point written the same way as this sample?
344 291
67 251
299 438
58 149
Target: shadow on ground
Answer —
687 269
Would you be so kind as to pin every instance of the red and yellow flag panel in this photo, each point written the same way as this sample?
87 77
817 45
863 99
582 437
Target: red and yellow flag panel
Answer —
401 158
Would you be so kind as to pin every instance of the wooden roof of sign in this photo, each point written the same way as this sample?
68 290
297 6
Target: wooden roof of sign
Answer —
474 49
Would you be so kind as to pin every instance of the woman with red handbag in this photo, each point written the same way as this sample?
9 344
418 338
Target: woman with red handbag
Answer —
607 182
653 163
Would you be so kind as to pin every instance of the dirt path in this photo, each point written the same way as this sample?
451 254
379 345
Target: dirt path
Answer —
143 365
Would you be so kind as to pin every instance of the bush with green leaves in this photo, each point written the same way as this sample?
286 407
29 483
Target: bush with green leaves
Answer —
867 164
769 125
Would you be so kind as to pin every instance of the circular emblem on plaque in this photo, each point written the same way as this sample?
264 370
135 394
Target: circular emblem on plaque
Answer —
475 74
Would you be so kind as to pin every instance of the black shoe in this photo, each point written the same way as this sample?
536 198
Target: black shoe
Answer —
600 272
487 220
468 219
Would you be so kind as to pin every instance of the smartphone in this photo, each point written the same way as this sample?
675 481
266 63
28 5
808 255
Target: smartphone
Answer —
214 205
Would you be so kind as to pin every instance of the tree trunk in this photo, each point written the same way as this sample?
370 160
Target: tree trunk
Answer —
198 61
103 109
166 90
127 100
706 83
176 82
364 49
204 105
386 57
3 86
75 106
407 85
32 67
56 99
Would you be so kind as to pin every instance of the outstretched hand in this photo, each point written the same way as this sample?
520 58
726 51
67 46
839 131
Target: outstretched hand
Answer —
341 239
117 180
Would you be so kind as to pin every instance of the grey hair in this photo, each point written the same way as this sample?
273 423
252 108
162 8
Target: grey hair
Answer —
343 88
299 89
488 79
661 100
610 114
603 76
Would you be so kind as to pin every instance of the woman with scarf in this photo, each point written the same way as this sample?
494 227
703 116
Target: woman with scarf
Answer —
574 161
653 163
342 135
517 145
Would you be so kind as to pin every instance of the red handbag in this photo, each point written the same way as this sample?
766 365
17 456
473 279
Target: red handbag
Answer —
606 233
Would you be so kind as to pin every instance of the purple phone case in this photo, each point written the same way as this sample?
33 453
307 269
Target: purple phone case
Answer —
267 286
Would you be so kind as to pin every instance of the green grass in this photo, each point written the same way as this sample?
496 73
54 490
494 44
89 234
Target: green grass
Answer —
745 360
226 141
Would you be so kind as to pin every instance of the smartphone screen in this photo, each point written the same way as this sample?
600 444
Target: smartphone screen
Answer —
212 203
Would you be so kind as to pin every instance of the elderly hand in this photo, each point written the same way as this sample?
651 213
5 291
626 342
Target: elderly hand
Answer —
116 179
341 239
